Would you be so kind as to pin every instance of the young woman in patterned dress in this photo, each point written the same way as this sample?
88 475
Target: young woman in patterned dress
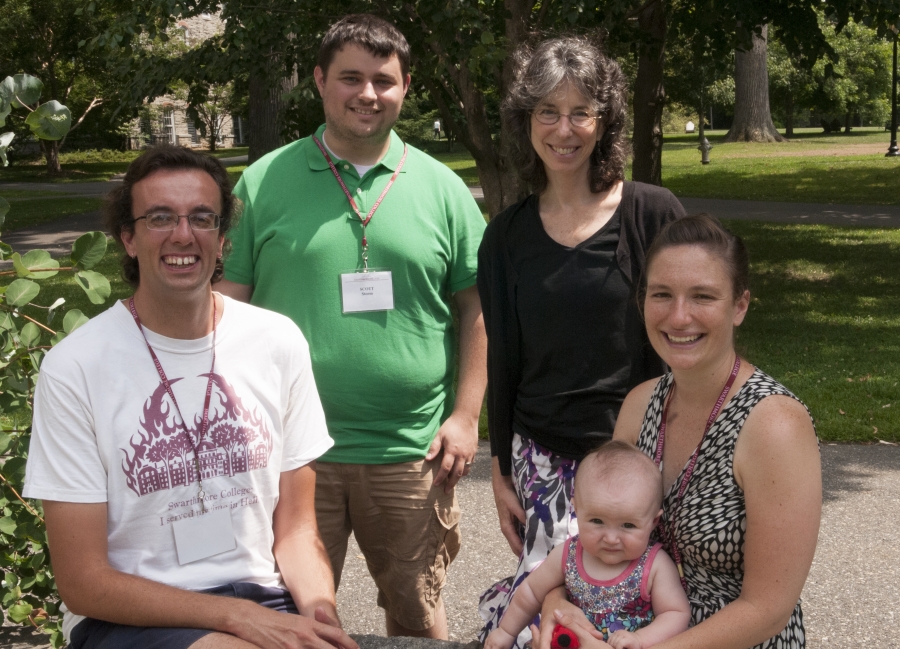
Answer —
738 453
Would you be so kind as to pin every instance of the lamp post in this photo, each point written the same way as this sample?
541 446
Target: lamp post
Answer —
893 151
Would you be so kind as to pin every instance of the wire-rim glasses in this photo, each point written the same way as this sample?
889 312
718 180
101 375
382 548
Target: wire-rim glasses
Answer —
578 118
202 221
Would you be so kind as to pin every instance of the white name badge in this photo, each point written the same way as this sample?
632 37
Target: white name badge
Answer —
372 291
204 536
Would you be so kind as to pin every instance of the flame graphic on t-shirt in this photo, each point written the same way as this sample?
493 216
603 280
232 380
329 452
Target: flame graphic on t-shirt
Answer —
162 454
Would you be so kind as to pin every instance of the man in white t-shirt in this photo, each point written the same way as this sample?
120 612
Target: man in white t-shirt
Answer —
174 443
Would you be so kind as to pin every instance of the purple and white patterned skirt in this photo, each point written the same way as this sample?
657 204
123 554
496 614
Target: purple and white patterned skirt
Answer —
544 483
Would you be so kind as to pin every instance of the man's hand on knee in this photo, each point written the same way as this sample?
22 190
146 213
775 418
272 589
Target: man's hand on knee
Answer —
267 629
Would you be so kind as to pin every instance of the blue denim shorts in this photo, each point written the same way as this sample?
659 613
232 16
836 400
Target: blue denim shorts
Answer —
97 634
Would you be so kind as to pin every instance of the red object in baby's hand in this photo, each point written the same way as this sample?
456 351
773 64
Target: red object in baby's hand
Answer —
563 638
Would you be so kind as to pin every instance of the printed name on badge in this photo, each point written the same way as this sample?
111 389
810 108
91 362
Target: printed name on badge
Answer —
371 291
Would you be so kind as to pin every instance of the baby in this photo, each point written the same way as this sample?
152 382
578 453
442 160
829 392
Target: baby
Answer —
628 589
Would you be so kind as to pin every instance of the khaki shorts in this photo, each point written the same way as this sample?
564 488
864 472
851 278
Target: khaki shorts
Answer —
407 530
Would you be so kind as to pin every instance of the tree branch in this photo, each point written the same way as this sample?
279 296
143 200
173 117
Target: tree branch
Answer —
27 506
38 324
96 101
635 12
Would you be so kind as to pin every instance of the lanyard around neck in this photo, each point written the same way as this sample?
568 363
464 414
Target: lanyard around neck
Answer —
668 535
364 220
204 426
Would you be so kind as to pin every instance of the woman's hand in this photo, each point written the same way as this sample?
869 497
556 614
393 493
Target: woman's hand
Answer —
509 510
588 636
556 608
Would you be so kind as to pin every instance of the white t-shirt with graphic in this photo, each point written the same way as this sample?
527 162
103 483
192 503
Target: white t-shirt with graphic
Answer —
105 430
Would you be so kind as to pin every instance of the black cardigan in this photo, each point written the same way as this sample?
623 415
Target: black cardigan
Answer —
497 288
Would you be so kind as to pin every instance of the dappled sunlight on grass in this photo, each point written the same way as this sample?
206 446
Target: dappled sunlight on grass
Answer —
825 320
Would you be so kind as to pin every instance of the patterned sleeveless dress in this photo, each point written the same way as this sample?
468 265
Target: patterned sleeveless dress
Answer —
621 603
713 519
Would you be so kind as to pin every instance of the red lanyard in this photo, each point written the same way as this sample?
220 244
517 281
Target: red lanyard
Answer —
165 381
362 219
668 535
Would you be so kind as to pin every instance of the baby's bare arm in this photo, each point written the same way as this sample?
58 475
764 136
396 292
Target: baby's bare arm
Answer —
526 603
671 609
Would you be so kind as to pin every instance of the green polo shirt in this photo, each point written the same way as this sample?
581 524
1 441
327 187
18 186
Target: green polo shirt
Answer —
385 377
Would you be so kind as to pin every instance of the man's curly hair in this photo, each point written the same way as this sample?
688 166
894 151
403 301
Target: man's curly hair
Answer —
117 210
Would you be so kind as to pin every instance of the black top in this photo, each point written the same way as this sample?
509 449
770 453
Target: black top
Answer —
580 335
565 340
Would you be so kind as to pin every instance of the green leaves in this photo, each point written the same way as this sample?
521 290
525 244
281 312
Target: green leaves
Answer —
74 319
20 612
35 264
50 121
95 285
88 250
21 90
23 291
27 589
30 335
7 526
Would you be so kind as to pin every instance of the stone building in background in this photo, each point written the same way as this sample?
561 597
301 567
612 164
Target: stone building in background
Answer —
165 119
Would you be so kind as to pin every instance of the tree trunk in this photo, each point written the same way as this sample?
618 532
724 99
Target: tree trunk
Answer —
789 114
752 117
266 104
649 96
50 149
847 119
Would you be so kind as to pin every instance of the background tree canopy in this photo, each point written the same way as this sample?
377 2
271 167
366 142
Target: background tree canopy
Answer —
461 56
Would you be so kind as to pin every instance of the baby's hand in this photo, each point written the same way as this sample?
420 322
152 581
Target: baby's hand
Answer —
499 639
624 640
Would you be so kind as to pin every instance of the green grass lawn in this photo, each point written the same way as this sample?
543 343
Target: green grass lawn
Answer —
811 168
825 320
84 166
26 212
462 163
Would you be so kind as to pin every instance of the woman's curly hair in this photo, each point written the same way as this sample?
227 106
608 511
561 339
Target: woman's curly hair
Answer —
539 72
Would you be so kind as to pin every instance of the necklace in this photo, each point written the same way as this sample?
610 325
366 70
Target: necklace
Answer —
667 524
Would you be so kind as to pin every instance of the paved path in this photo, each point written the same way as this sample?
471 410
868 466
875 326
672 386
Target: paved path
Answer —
851 599
57 237
884 216
83 189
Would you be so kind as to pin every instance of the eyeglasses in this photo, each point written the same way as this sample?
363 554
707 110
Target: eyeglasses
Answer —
169 221
578 119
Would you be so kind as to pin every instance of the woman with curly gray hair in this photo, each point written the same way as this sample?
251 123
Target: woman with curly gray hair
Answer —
556 276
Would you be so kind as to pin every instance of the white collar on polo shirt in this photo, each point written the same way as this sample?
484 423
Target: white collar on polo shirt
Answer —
360 169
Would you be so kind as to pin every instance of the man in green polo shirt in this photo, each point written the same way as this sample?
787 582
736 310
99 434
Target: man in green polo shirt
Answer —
365 243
